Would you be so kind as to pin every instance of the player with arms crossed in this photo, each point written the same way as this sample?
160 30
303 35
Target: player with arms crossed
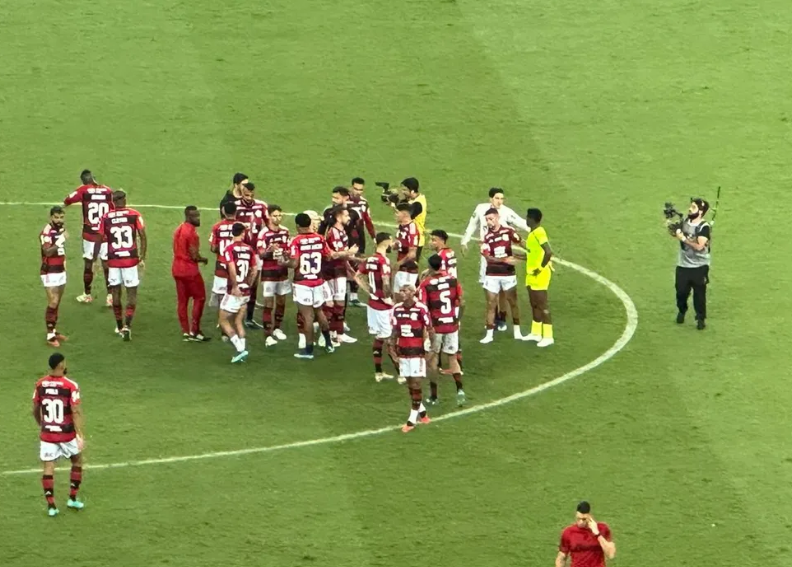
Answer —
53 270
407 238
359 204
307 251
240 260
97 201
374 276
500 276
538 272
58 411
336 274
477 221
120 229
273 240
412 325
587 541
442 294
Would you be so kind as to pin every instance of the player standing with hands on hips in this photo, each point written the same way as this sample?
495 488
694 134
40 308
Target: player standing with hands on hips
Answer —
587 541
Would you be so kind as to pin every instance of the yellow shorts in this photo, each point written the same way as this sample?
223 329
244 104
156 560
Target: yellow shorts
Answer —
540 282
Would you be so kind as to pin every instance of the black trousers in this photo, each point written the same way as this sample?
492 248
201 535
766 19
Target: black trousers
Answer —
695 280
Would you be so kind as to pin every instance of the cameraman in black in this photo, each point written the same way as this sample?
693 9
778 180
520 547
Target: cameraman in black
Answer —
692 273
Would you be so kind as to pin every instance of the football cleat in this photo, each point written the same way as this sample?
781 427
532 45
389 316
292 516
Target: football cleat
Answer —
117 331
199 337
75 504
401 380
270 341
406 428
700 324
61 337
52 512
517 334
502 326
240 357
279 335
252 324
305 355
680 318
126 334
346 327
53 341
380 376
532 338
356 303
186 337
84 298
461 399
487 339
545 343
432 401
109 300
425 419
330 349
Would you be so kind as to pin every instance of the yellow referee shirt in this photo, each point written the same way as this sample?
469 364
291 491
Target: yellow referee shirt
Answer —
420 220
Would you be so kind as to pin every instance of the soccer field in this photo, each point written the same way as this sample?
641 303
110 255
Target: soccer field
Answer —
596 113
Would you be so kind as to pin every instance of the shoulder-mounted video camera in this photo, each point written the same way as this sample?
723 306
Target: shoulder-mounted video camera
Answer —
389 195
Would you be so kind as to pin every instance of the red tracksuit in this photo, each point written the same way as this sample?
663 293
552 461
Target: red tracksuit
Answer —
189 283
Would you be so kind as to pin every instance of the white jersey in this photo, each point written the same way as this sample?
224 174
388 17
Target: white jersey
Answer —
507 218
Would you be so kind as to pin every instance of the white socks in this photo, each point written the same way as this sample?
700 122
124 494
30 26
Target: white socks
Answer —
239 344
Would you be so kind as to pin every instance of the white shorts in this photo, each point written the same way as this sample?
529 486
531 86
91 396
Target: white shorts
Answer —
447 342
496 284
219 286
88 250
232 303
401 279
271 289
338 289
54 451
311 296
379 322
53 280
127 276
412 367
482 270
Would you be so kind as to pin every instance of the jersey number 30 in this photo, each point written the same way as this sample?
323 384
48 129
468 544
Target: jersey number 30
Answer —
53 410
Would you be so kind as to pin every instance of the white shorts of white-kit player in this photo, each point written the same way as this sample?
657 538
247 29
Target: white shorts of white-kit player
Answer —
412 367
219 286
446 342
496 284
271 289
482 270
401 279
233 303
312 296
379 322
54 451
88 250
127 276
53 280
338 289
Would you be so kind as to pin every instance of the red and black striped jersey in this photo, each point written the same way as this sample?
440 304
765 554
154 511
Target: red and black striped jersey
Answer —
48 238
270 241
442 294
56 397
97 201
120 229
309 252
409 324
378 270
243 257
337 241
449 265
497 244
219 240
407 237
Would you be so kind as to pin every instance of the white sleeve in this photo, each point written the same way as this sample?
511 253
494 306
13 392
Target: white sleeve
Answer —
472 226
516 221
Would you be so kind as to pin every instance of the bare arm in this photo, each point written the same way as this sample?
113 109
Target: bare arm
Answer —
37 412
98 245
363 282
411 254
548 254
232 275
608 547
195 255
561 559
79 420
698 244
143 244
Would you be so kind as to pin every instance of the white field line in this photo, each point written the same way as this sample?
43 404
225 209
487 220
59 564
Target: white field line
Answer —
621 342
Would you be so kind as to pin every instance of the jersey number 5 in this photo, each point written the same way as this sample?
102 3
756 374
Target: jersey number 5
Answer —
53 410
446 308
122 237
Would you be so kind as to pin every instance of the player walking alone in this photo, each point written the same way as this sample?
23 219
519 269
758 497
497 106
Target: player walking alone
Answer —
57 410
120 229
97 201
187 275
53 270
412 326
587 541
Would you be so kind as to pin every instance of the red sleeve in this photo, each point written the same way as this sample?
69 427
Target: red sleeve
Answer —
326 252
36 399
228 257
362 268
484 249
426 318
75 395
140 225
604 529
459 292
294 248
101 230
563 545
194 241
414 236
369 224
73 197
422 292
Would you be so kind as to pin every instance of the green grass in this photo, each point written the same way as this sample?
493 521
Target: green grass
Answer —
596 112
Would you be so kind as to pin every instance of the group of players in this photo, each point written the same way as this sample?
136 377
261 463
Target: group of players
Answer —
413 317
